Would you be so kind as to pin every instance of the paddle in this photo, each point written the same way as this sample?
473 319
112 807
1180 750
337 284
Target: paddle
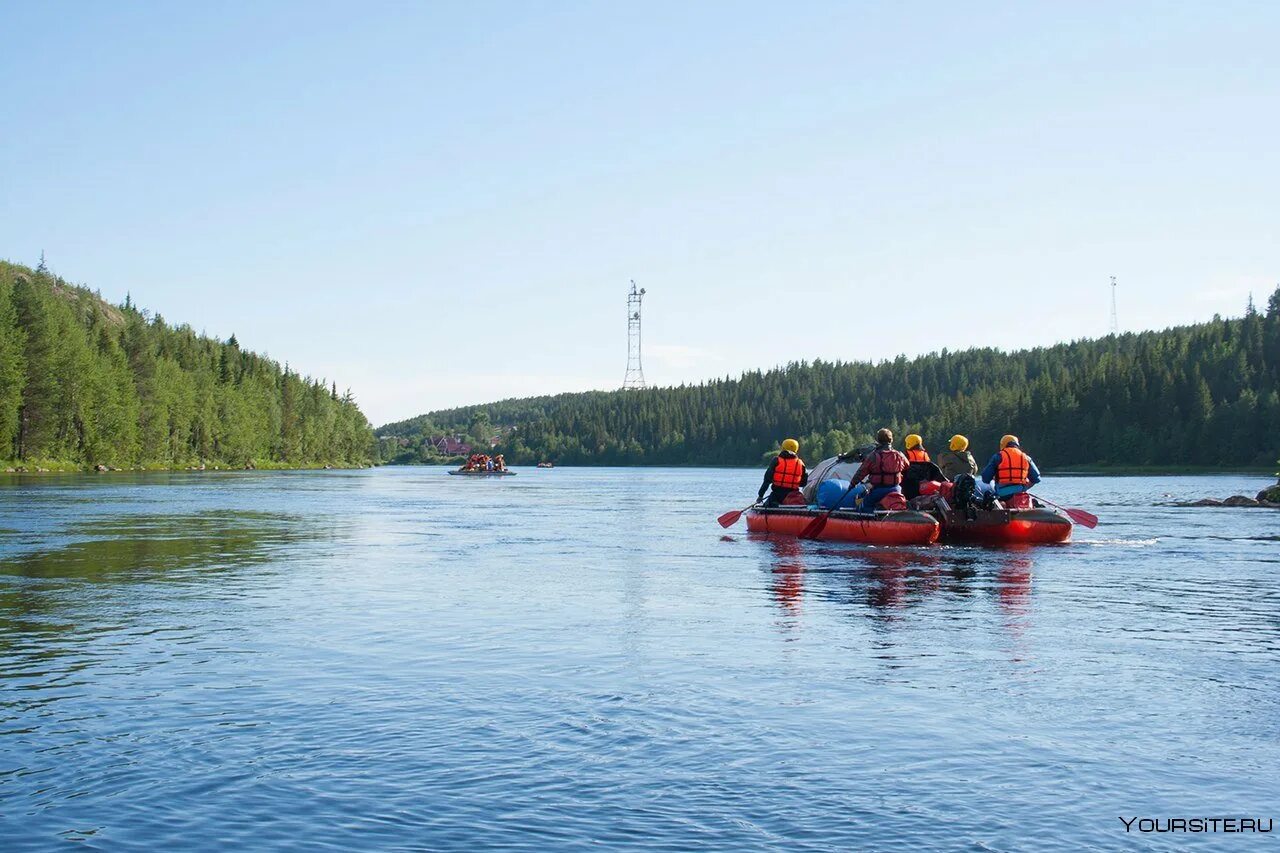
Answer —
729 519
1079 516
814 528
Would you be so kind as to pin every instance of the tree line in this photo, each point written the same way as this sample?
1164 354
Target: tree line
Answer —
87 383
1205 394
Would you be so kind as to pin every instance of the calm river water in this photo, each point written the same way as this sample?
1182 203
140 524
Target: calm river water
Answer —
398 659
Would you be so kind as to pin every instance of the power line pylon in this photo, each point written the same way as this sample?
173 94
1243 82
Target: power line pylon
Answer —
634 379
1115 320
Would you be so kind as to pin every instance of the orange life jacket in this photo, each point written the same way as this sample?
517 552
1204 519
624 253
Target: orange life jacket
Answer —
885 468
787 473
1014 468
918 454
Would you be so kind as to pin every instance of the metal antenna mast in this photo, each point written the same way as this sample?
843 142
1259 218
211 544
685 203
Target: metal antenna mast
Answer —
1115 321
635 371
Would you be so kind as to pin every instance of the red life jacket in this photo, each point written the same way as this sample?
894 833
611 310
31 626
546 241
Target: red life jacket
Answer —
1014 468
918 454
787 473
885 467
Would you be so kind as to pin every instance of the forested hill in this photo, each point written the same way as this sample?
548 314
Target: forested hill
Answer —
84 383
1194 395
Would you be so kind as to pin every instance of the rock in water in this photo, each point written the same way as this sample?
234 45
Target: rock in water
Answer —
1239 500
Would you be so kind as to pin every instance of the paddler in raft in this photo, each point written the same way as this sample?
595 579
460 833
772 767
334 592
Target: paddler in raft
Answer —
785 475
957 459
1013 471
920 467
883 469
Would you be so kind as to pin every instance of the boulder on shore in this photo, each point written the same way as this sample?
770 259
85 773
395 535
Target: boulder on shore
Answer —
1234 501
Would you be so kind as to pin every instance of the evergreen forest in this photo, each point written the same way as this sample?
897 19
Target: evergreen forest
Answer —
87 384
1199 395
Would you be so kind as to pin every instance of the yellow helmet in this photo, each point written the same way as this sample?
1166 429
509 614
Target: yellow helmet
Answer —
1007 440
913 441
959 443
791 445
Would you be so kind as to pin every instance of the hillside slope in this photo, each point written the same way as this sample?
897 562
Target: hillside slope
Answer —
85 383
1205 394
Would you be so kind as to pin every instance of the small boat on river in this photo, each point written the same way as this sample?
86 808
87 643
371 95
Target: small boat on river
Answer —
903 527
462 472
1038 526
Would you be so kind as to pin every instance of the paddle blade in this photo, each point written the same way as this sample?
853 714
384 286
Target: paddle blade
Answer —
1081 517
815 527
729 519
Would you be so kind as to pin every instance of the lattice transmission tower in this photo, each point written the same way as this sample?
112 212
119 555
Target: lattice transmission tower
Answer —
1115 318
634 379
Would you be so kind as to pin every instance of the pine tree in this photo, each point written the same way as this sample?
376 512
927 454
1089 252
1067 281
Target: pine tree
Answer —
92 384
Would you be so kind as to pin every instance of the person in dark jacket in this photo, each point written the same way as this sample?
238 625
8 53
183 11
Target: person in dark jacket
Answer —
883 469
918 472
957 459
785 474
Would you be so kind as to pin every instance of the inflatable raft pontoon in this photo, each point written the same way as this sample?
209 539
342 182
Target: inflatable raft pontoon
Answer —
1039 526
905 527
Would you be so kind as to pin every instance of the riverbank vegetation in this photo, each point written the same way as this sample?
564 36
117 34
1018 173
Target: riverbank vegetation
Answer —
86 384
1200 395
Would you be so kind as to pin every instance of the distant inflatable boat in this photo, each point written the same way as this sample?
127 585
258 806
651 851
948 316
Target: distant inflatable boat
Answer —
461 473
1039 526
905 527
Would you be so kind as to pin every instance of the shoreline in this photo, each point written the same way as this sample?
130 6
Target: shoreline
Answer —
44 467
1075 471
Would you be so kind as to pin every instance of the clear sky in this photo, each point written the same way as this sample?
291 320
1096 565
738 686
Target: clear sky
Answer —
439 204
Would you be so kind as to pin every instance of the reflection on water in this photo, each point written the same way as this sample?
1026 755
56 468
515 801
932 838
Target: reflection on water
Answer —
889 581
581 657
163 547
885 579
52 629
788 573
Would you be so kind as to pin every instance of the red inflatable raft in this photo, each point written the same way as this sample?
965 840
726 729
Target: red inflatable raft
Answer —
1040 526
883 528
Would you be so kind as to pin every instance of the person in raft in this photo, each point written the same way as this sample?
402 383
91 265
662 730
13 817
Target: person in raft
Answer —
883 469
920 467
785 474
1012 469
957 459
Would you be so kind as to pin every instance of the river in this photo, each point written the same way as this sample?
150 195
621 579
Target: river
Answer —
576 658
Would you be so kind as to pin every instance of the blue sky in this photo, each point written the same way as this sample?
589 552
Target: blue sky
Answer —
443 204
